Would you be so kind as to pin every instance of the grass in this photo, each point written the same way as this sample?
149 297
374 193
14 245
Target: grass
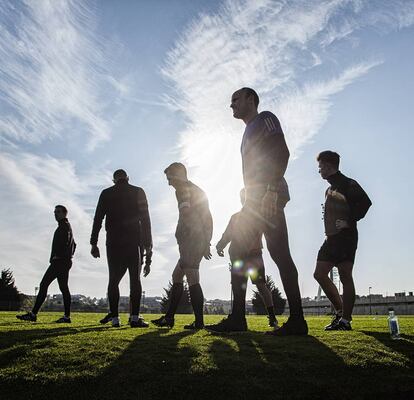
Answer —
87 361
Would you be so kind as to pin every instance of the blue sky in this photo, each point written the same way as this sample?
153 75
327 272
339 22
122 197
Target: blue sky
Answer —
89 87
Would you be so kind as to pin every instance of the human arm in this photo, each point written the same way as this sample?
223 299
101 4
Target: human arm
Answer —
97 224
358 201
225 238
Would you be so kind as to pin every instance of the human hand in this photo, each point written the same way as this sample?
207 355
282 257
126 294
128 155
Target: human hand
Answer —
147 269
207 253
95 251
269 204
220 249
341 224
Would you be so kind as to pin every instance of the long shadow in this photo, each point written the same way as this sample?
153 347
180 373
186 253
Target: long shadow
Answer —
404 346
27 336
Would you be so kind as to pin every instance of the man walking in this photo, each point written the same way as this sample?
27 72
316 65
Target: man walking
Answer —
193 234
345 204
128 230
264 160
63 248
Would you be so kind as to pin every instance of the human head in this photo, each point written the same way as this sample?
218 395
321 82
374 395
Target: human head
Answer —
120 176
328 163
60 212
176 174
244 102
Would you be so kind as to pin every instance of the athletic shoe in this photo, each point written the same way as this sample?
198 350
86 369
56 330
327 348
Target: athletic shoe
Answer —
272 321
194 326
138 324
106 319
116 323
27 317
341 326
228 325
64 320
335 320
164 321
293 326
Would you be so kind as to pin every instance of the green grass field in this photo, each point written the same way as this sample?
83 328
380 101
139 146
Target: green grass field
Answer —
85 360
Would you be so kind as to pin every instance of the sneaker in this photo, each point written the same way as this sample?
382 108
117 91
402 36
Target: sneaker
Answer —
228 325
335 320
64 320
273 323
106 319
116 323
164 321
194 326
27 317
293 326
341 326
138 324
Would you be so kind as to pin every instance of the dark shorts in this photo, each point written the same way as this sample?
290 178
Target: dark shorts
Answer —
251 266
339 248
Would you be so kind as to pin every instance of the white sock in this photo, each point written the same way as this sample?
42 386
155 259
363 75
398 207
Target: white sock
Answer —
115 320
134 318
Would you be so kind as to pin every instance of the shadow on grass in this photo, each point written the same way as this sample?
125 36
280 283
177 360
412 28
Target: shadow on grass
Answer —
404 346
27 336
171 364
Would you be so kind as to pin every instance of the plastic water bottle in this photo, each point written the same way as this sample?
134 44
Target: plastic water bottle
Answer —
393 325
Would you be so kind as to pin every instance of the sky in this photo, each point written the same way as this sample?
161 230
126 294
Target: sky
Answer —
87 87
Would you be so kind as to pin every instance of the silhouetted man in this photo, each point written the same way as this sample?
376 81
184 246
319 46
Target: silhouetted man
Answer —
128 231
345 204
63 248
246 257
193 234
264 160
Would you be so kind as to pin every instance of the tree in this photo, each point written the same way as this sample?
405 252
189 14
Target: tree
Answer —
278 302
184 307
10 297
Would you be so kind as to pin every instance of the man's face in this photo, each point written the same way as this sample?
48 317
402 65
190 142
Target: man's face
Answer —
174 180
59 214
240 104
326 169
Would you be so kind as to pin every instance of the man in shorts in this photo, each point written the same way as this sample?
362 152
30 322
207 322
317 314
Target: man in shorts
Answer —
245 253
193 234
345 204
265 156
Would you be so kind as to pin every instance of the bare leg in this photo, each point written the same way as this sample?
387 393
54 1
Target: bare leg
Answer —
321 274
345 274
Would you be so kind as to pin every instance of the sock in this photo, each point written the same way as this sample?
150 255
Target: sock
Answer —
197 301
176 293
134 318
271 312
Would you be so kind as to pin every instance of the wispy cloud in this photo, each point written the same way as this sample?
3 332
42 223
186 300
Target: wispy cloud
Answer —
54 71
35 185
288 52
278 48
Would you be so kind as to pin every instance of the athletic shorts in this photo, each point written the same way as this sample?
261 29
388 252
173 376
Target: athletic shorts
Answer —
339 248
191 254
251 266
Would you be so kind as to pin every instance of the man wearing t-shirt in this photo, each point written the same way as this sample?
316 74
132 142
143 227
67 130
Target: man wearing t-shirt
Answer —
264 160
193 234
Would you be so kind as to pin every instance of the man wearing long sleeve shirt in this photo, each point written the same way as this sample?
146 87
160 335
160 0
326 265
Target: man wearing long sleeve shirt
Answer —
128 232
345 204
63 248
265 157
